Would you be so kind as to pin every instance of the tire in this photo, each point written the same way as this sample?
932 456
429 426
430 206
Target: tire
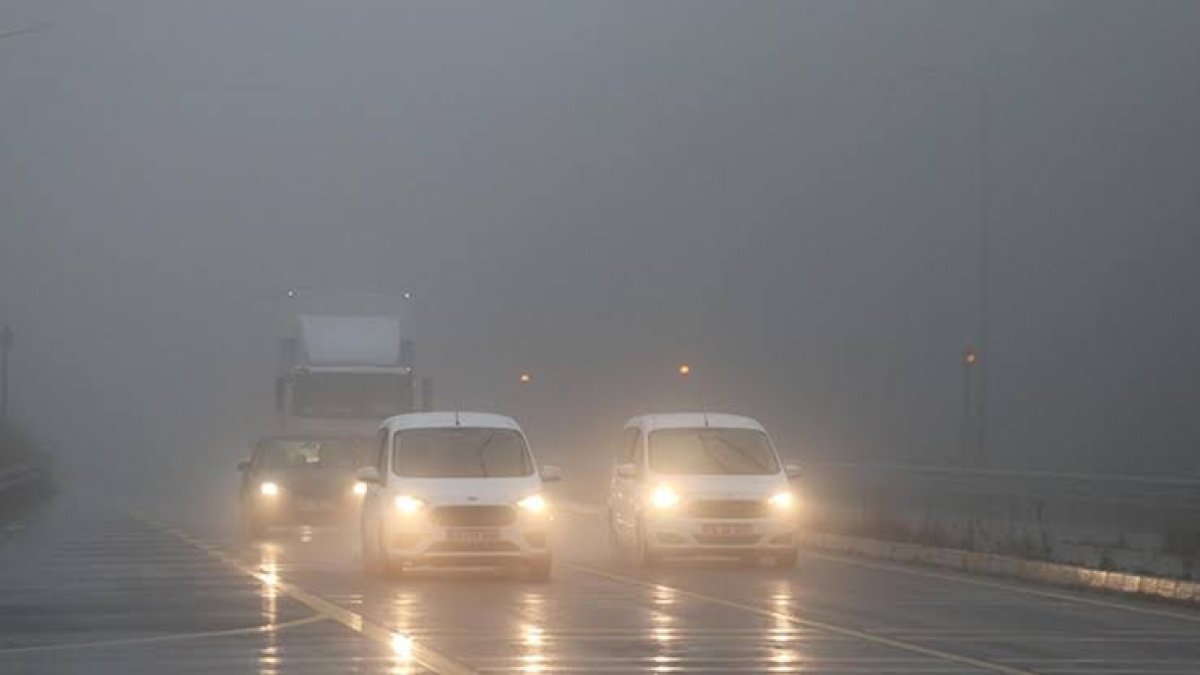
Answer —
387 567
787 560
539 569
252 526
616 550
370 554
646 556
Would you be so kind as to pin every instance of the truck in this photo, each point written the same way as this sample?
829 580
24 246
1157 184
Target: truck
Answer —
344 366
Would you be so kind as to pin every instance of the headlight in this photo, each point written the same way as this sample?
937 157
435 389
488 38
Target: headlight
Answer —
782 500
664 497
533 504
269 489
360 488
409 505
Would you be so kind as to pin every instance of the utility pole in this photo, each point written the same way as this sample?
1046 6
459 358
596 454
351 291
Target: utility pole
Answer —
985 216
6 340
966 454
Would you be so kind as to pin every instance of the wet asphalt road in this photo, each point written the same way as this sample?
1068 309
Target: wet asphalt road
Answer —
91 588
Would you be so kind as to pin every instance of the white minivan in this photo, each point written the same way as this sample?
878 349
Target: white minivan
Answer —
701 484
455 489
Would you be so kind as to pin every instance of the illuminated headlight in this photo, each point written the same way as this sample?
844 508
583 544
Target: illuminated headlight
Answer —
269 489
534 504
782 500
360 488
664 497
408 505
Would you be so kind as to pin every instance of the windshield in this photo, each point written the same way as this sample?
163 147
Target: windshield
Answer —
312 454
350 395
460 452
712 452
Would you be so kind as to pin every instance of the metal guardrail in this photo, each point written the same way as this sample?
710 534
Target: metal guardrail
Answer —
927 481
1147 522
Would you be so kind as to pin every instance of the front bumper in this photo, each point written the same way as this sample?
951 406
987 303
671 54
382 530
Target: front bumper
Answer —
288 509
683 535
424 539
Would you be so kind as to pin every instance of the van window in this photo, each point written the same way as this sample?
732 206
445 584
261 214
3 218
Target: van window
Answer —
460 452
711 451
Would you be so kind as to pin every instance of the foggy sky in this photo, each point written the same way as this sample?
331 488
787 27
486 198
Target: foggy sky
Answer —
784 194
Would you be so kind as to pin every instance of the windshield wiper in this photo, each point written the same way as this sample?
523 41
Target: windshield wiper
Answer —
482 462
743 452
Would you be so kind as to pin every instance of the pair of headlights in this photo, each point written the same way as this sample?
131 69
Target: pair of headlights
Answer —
409 505
663 497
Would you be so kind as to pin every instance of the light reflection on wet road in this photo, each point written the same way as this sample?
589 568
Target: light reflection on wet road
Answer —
86 589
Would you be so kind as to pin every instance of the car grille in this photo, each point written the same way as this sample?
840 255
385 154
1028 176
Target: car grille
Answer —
727 508
727 539
471 546
474 516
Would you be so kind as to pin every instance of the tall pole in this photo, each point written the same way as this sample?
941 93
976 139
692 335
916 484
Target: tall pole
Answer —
6 340
966 453
985 198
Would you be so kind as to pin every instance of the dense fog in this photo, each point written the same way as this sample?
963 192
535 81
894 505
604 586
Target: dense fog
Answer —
788 196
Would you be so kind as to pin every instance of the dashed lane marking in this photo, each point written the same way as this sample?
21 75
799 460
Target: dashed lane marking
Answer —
173 637
402 645
810 623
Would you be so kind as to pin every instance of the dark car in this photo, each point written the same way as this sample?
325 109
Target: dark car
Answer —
300 480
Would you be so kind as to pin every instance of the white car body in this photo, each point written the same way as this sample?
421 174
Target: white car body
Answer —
460 521
713 514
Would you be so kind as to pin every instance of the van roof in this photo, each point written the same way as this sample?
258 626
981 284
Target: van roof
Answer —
425 420
692 420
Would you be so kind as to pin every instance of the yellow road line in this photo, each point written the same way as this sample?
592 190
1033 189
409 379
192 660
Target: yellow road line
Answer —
810 623
122 642
966 578
398 643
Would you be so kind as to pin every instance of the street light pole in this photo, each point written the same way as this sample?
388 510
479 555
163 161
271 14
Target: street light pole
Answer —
985 216
6 340
970 358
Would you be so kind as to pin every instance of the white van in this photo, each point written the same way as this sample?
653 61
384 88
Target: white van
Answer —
701 484
455 489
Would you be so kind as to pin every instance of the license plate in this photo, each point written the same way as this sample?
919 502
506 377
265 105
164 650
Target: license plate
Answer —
312 505
726 529
472 536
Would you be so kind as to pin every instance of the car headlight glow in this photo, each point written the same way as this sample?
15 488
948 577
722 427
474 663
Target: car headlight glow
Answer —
533 504
269 489
782 500
360 488
664 497
408 505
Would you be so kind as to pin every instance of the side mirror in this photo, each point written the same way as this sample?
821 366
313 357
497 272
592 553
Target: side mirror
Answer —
368 475
627 471
243 465
793 471
551 473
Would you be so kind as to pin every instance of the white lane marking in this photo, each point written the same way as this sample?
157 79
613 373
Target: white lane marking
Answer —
122 642
402 645
809 623
1000 585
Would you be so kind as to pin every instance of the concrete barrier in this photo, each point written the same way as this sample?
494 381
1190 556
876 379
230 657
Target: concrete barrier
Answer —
1057 574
